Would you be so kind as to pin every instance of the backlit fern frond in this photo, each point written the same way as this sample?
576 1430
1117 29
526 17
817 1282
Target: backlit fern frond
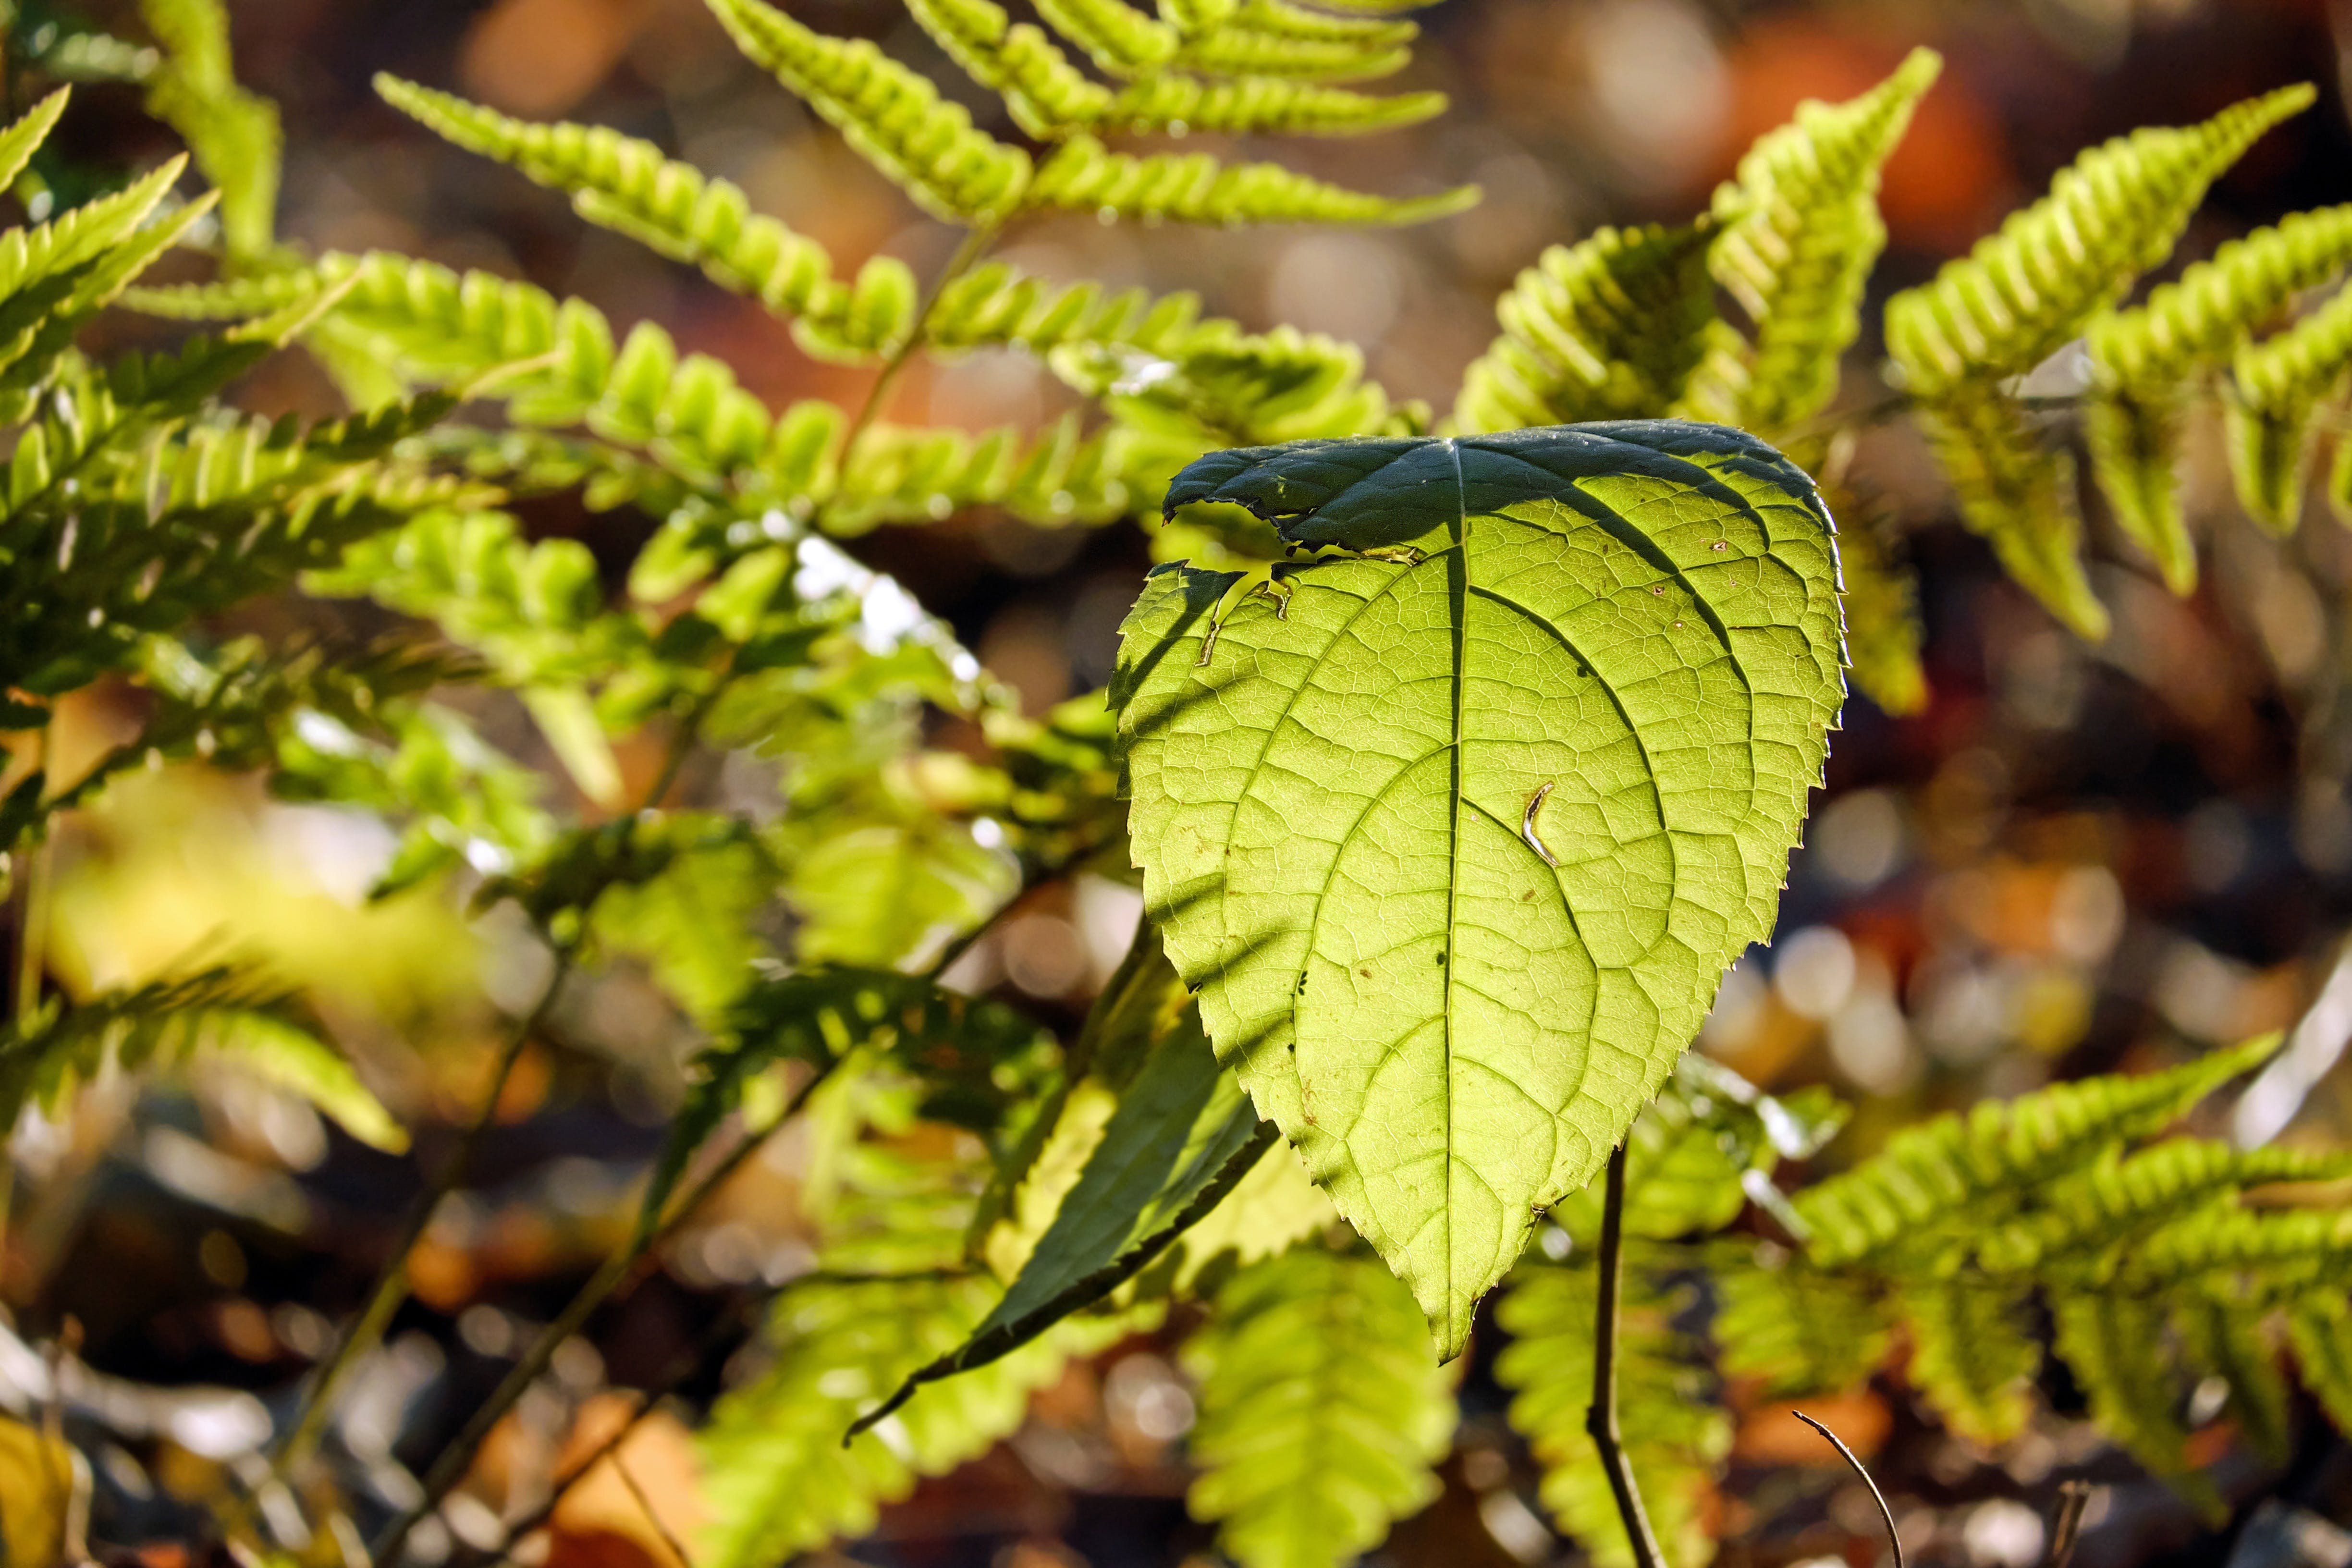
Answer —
1969 1356
1800 232
2109 216
209 517
2142 360
1052 476
1223 387
1675 1436
2023 291
1883 633
1610 327
1045 94
2116 1346
2216 305
2275 1253
778 1477
1273 38
221 1010
1121 40
1321 1411
1799 1329
1261 104
1931 1170
2319 1326
20 141
628 186
1084 175
996 304
891 115
2018 493
556 362
2120 1196
233 133
2220 1335
54 278
229 300
2276 387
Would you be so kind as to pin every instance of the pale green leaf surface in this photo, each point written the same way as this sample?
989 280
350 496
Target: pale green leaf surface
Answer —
1458 840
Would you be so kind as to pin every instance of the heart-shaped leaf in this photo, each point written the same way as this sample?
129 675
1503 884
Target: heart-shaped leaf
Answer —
1458 831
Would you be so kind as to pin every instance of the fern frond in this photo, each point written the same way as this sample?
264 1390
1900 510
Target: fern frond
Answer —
2319 1326
1932 1171
1883 633
1045 94
776 1476
1321 1411
976 1052
1051 477
58 1045
2276 388
229 300
1226 387
2109 216
893 116
1799 1329
1801 231
21 140
1970 1358
1262 105
2020 495
1610 327
1121 40
233 133
463 802
2229 1339
2273 1253
1271 37
1675 1436
2118 1197
629 186
2216 305
2116 1348
1084 175
425 324
211 517
2141 357
994 303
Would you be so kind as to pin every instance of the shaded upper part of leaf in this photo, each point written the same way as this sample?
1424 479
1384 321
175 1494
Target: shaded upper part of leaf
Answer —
1366 495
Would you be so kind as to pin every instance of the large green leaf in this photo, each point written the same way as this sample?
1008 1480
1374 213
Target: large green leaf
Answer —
1458 829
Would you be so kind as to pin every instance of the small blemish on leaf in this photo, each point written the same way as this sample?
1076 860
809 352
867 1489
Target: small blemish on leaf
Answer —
1527 821
1365 972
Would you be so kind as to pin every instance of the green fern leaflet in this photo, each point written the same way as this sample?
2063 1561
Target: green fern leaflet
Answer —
1457 829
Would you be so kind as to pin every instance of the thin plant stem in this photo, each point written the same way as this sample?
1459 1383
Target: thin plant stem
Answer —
2072 1498
1893 1538
668 1536
450 1465
1601 1416
390 1286
33 857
